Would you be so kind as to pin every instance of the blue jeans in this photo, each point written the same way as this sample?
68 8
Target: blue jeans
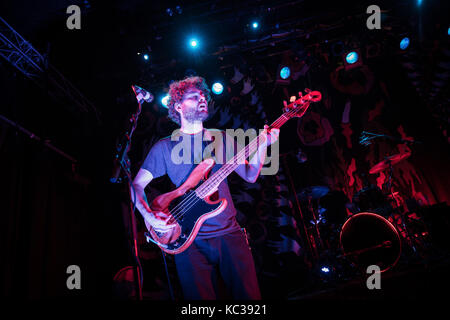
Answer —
230 256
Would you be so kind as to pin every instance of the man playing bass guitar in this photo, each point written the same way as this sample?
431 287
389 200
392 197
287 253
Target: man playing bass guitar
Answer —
220 247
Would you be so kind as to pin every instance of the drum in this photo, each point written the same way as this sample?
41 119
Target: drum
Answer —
333 208
372 199
332 215
369 239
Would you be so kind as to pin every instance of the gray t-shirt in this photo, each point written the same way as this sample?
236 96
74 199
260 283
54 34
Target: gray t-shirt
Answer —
161 160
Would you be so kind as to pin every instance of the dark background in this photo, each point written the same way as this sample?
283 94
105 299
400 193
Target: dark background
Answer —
57 212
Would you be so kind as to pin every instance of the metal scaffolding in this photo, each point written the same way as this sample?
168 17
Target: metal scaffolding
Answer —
21 54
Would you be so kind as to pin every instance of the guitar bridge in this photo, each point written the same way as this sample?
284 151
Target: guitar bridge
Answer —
149 239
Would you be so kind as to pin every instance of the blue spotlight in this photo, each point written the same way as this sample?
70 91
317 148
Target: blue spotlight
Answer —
285 72
146 56
193 43
217 88
404 43
255 25
165 100
325 269
351 57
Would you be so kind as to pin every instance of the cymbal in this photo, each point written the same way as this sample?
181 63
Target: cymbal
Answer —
391 160
313 192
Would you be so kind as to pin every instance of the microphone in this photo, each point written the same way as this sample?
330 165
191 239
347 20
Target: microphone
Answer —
142 94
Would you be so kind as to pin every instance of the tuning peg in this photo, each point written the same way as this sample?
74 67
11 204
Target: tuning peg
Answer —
307 90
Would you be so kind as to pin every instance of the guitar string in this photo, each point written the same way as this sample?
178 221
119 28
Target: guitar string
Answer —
195 200
188 201
228 169
275 124
230 164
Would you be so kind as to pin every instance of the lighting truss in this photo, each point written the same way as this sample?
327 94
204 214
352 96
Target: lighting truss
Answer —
21 54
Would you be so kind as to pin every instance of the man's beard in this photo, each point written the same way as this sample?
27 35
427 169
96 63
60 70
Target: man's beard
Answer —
196 115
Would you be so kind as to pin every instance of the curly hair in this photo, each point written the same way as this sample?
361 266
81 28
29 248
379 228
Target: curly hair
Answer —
178 89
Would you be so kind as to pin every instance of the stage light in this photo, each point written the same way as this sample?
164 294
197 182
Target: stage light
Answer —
404 43
193 43
351 57
419 2
285 72
146 56
283 75
255 25
165 100
217 88
325 269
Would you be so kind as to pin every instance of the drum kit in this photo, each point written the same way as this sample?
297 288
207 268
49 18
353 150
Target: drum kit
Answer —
372 233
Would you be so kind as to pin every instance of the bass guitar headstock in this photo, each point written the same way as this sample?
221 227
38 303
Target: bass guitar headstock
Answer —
298 107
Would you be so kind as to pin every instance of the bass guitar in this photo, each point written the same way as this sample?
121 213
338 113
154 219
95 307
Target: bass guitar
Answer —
192 203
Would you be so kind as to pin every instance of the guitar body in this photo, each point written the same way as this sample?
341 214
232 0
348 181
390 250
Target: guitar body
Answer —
188 217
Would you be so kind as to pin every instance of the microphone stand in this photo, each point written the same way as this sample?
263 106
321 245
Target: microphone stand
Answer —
121 161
